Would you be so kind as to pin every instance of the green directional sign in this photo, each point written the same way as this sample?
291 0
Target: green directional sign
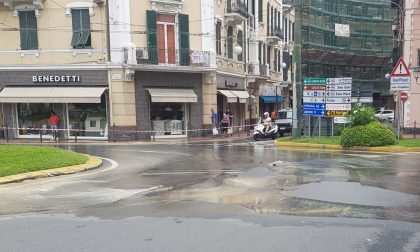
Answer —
315 81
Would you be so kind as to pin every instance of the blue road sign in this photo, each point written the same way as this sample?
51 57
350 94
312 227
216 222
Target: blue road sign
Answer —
314 106
314 112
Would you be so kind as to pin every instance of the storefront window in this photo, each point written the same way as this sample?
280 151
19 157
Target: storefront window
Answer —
33 117
88 119
168 118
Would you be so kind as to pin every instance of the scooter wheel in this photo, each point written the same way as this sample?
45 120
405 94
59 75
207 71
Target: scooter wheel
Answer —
257 137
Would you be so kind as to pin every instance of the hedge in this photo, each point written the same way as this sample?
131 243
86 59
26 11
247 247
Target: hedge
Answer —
372 134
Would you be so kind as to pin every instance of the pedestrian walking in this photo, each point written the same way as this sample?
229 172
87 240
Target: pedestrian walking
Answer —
54 121
225 124
214 122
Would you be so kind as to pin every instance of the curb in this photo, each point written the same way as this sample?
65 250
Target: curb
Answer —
92 163
396 149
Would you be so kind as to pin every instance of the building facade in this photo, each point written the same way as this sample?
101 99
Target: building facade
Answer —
363 52
53 58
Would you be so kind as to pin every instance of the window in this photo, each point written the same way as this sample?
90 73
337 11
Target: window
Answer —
241 44
418 57
268 19
28 30
166 38
219 37
260 11
230 42
81 28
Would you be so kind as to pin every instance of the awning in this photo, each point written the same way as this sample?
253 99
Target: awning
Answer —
231 98
172 95
242 95
272 99
51 94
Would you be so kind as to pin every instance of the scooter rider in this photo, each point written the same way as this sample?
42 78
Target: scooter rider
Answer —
267 122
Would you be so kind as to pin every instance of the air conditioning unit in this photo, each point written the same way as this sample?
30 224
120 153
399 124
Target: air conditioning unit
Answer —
142 54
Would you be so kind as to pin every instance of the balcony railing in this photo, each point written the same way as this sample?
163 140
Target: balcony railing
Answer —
278 32
237 6
263 69
175 57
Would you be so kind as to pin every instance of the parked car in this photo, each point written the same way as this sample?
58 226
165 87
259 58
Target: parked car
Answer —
284 121
385 115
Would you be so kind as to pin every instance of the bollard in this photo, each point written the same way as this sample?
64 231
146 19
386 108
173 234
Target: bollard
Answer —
40 136
414 129
113 133
75 135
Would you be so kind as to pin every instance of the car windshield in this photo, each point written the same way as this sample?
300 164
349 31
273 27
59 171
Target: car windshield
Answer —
281 115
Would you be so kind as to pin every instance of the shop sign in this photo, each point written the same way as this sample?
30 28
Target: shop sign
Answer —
231 84
55 78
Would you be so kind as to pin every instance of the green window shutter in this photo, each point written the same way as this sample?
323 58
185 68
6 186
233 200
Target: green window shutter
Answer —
28 30
241 44
230 42
81 28
152 36
76 25
184 39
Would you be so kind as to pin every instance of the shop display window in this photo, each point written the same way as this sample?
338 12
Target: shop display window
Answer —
88 120
33 118
168 118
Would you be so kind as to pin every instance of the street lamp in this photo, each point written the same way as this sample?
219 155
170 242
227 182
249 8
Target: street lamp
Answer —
387 76
237 50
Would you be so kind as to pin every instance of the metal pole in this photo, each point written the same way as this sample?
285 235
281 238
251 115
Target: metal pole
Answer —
319 128
40 136
310 133
297 84
332 130
415 129
399 116
7 133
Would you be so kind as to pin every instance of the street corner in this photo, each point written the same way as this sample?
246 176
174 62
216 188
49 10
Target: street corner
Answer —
93 162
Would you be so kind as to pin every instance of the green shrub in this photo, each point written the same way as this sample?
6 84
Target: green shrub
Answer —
373 134
362 115
338 129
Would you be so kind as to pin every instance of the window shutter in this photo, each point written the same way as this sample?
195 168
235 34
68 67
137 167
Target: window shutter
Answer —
268 20
75 15
184 39
275 59
219 37
28 30
241 44
152 36
269 56
260 10
230 42
85 39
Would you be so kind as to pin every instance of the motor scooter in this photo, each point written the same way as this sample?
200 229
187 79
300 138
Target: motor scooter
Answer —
259 133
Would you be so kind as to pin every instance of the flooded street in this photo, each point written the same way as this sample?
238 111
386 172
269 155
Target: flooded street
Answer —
280 196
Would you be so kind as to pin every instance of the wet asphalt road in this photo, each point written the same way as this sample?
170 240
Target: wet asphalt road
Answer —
219 196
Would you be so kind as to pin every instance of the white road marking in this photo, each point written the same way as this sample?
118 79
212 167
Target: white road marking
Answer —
157 152
191 172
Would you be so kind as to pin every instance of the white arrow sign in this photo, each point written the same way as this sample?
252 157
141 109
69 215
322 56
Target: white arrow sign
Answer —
338 100
338 93
313 100
341 120
342 87
338 106
348 80
362 99
320 93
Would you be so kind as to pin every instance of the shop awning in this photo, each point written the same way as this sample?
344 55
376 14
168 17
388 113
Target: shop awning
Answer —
242 95
272 99
51 94
172 95
231 97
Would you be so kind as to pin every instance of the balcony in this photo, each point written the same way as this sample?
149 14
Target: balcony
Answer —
236 12
288 5
178 59
12 3
275 36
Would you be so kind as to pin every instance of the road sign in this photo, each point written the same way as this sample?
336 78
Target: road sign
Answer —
341 120
403 96
339 87
400 69
338 100
339 106
400 83
362 99
314 87
314 112
313 100
337 113
347 80
338 94
314 93
314 81
313 106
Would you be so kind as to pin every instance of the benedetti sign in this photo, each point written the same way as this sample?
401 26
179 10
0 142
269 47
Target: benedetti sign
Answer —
55 78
